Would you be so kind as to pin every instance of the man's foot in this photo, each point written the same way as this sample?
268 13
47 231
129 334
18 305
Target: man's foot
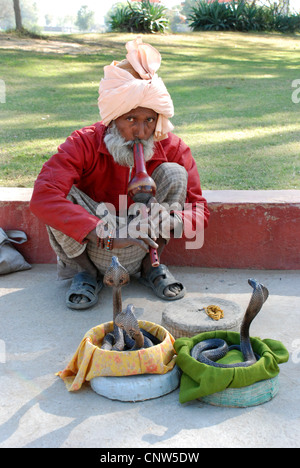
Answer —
83 292
163 283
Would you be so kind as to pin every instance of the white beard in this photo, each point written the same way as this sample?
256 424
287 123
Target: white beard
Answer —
122 150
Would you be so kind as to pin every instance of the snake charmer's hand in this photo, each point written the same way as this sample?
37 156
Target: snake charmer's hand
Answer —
122 238
128 235
162 221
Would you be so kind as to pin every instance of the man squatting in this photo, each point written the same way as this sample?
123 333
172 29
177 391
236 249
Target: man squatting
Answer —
93 167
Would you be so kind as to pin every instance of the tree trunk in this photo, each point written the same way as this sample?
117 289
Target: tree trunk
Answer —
18 17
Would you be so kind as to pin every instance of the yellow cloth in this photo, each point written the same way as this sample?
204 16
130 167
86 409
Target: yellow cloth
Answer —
90 361
120 91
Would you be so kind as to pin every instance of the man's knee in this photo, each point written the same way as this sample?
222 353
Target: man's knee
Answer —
171 172
171 183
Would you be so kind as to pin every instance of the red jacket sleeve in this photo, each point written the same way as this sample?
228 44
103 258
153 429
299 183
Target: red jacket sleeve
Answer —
54 182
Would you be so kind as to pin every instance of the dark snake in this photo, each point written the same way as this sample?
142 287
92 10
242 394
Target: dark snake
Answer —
211 350
126 335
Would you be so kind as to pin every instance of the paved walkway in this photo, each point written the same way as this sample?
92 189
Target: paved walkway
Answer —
39 335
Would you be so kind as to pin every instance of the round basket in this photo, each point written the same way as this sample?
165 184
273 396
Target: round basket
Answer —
252 395
185 317
230 386
137 387
91 361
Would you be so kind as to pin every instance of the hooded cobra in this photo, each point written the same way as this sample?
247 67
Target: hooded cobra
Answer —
126 334
209 351
127 321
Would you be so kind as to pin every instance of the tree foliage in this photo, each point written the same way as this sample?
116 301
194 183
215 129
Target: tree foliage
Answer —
85 18
27 15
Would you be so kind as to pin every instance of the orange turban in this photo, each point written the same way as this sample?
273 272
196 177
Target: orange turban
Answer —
134 83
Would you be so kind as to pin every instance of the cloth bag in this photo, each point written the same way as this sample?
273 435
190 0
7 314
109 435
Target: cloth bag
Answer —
10 259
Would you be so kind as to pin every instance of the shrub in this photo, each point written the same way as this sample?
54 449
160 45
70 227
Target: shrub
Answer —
241 16
119 18
140 17
209 16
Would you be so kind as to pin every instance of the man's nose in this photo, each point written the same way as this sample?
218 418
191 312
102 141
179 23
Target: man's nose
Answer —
140 131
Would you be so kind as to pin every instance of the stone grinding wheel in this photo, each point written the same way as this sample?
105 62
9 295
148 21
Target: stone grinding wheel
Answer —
183 318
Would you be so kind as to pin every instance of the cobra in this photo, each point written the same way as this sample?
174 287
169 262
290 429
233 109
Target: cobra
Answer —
127 321
126 333
209 351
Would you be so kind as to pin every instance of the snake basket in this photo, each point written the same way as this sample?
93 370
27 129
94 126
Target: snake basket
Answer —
231 386
252 395
90 361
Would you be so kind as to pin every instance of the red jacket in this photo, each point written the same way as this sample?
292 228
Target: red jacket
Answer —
83 160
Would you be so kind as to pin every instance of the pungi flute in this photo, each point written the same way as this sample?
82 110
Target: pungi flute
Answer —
141 188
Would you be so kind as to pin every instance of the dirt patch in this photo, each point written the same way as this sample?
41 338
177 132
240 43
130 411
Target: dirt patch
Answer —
46 45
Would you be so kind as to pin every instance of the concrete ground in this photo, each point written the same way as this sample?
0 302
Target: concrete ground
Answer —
39 335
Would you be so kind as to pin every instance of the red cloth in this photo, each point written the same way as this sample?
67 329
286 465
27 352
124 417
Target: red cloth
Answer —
83 160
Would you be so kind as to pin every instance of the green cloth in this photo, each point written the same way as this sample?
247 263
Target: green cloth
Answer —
199 380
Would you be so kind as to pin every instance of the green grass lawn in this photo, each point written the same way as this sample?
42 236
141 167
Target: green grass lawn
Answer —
232 96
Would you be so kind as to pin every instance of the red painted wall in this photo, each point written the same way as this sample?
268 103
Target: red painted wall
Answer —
245 236
247 229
